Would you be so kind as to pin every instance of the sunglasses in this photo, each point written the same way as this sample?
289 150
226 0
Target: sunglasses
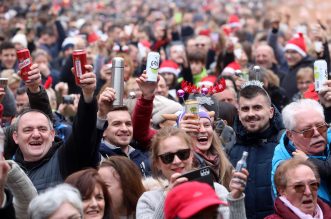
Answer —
309 133
168 158
300 188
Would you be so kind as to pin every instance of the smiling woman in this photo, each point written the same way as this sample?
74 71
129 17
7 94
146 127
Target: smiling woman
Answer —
96 201
172 155
297 182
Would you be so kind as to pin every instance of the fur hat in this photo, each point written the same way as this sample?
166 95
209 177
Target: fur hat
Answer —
297 43
163 105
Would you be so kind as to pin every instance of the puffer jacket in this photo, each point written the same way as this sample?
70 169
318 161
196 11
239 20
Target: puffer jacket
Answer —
260 148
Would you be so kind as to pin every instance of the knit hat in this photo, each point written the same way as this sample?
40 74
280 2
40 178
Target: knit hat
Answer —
297 43
234 21
163 105
188 199
168 66
20 38
231 68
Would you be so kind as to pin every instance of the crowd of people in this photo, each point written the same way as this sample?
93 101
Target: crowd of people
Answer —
66 151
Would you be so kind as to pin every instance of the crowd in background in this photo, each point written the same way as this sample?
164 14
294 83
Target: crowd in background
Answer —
69 153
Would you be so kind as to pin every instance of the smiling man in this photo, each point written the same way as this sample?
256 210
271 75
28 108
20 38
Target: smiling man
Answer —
306 130
257 128
119 132
45 158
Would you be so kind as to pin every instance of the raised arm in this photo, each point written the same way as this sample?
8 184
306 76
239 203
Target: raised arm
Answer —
81 149
38 97
142 113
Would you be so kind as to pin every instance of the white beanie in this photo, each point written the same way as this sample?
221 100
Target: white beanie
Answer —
163 105
21 39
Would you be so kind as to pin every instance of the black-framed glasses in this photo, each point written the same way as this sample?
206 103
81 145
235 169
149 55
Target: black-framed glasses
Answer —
309 133
168 158
300 187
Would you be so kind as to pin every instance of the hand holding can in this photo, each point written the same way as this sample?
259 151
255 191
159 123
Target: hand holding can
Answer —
152 66
79 61
24 63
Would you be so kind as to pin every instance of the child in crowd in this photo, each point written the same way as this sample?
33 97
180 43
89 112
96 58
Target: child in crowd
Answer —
305 77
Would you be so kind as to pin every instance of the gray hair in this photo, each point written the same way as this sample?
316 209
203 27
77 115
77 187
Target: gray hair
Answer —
45 204
290 111
18 119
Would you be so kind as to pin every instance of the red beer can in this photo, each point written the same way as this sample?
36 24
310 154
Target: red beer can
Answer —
24 62
79 62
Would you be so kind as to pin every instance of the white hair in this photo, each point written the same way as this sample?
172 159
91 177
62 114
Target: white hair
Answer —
45 204
290 111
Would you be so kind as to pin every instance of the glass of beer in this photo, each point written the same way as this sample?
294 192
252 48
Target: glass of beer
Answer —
192 107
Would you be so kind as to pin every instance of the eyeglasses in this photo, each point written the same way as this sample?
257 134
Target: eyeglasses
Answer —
300 188
309 133
168 158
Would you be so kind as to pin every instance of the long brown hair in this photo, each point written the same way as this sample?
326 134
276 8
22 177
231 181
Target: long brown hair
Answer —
225 167
160 136
130 180
86 181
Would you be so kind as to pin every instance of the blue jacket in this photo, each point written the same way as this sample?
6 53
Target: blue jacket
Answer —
140 158
260 148
284 151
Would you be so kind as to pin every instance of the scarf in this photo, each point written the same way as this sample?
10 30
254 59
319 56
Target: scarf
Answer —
211 160
318 211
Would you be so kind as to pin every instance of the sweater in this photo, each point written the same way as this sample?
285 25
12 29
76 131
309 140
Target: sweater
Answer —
151 204
22 189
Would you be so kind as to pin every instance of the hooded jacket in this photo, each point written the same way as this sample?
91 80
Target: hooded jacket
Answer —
260 148
284 151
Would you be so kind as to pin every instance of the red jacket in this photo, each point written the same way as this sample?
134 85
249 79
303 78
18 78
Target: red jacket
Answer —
283 212
141 120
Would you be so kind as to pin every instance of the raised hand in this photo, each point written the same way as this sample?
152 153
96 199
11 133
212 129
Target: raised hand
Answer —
105 102
238 183
147 88
88 83
34 79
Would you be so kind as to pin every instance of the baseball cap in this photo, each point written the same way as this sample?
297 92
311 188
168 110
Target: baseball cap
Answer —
188 199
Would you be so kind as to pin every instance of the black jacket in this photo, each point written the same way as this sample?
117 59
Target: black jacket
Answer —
78 152
260 148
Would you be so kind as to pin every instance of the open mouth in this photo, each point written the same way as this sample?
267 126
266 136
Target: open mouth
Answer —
92 212
307 202
202 139
35 143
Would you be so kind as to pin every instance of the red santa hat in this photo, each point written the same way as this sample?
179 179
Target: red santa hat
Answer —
231 68
169 67
207 81
297 43
234 21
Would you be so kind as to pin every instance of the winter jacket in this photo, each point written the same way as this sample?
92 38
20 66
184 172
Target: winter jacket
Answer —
141 117
260 148
151 204
78 152
284 151
22 189
140 158
283 212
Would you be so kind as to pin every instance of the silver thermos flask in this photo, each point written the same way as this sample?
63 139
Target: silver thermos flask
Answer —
117 80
